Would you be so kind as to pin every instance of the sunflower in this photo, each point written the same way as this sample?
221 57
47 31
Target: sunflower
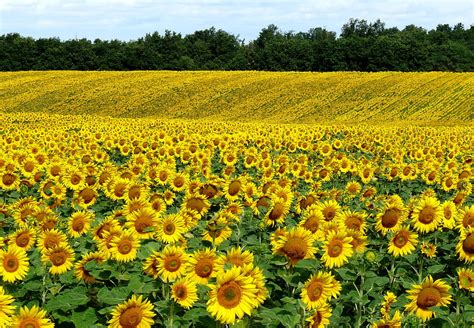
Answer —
403 242
359 240
450 213
124 247
85 197
353 188
61 258
259 281
142 222
465 246
296 244
106 225
217 231
135 312
387 322
319 289
312 220
80 223
388 300
33 317
202 266
23 238
9 180
14 264
466 279
150 267
423 297
81 272
427 215
330 209
196 202
234 257
353 220
320 317
393 215
170 229
337 249
184 292
465 217
232 296
428 249
6 309
49 239
172 263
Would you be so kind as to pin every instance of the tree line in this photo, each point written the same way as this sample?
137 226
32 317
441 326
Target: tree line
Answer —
361 46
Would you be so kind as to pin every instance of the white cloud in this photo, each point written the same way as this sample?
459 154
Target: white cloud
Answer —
129 19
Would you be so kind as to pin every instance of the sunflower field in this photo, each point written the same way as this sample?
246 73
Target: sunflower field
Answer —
144 222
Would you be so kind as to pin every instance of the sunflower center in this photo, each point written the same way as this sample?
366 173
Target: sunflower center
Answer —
87 195
172 263
22 239
134 192
468 219
295 248
29 166
276 212
335 248
317 318
180 292
315 291
401 239
178 182
236 260
75 179
169 228
353 222
131 317
428 297
78 225
468 244
195 204
447 213
229 295
312 224
329 213
29 323
204 268
142 223
125 247
427 215
58 258
10 263
8 179
390 218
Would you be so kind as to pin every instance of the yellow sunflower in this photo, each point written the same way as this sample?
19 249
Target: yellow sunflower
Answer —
312 220
14 264
184 292
23 238
465 217
337 249
353 220
427 215
170 229
450 213
49 239
387 322
320 317
202 266
296 244
143 222
234 257
403 242
80 223
6 309
428 249
393 215
319 289
124 247
232 297
33 317
135 312
330 209
277 212
465 279
172 263
465 246
427 295
217 231
60 257
196 202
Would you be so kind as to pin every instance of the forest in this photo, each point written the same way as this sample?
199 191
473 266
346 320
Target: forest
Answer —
360 46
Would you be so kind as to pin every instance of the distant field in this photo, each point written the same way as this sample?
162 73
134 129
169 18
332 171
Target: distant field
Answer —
245 96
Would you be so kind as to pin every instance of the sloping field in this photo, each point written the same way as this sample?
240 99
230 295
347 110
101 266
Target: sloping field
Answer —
245 96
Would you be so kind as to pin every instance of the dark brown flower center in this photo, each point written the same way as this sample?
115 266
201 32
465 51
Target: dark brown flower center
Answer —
468 244
335 247
390 218
427 215
229 295
428 297
131 317
172 263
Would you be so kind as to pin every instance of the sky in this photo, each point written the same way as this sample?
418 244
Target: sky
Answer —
131 19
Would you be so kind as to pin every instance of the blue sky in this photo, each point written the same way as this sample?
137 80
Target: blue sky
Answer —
131 19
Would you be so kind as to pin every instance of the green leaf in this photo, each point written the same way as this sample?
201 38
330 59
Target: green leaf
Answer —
85 318
68 300
114 296
436 268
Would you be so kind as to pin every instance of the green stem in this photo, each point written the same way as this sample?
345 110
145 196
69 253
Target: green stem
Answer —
171 317
420 270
